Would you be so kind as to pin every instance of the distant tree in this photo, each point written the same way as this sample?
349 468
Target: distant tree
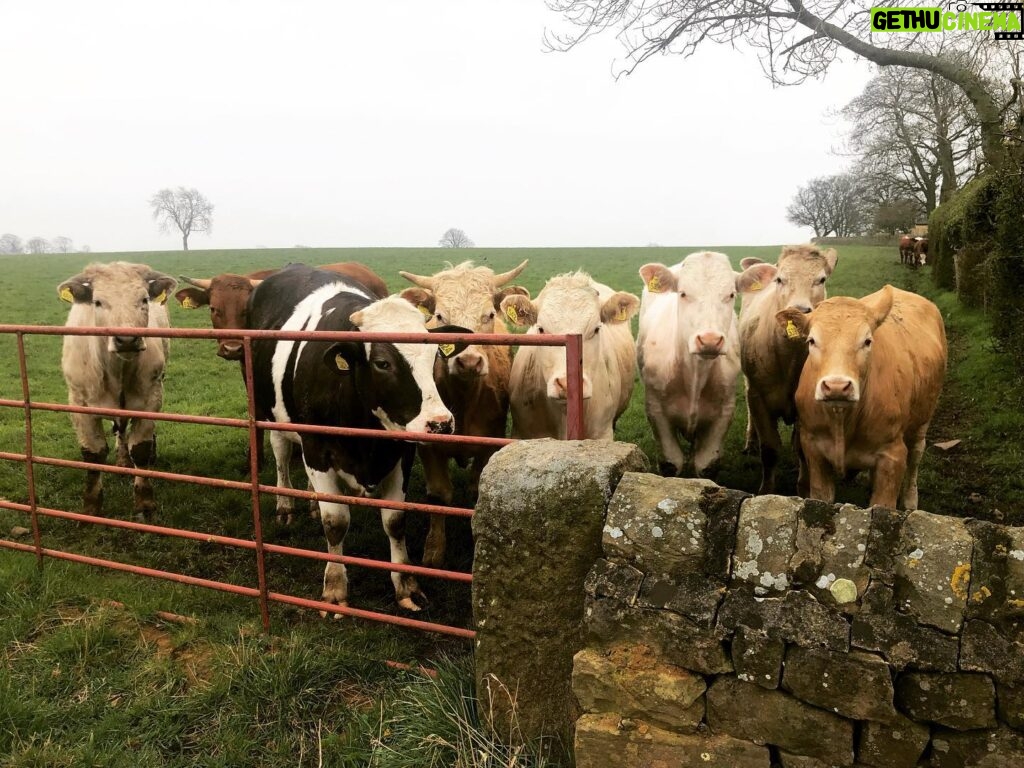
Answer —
85 249
455 238
183 209
11 244
39 245
830 205
896 216
63 244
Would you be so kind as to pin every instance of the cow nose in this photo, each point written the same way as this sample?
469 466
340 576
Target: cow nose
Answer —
710 343
837 388
802 308
443 426
128 344
469 363
230 350
561 387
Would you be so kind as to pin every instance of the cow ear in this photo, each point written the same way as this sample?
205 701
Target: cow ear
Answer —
519 310
159 285
448 350
343 356
879 305
619 307
192 298
420 298
75 289
755 278
657 278
831 259
750 261
794 322
508 290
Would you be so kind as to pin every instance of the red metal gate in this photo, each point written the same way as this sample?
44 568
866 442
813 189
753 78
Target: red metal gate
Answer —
262 592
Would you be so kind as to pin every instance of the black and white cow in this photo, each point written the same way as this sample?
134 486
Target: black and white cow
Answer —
349 384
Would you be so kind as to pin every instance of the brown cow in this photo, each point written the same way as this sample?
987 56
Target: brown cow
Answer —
906 249
473 384
920 251
868 390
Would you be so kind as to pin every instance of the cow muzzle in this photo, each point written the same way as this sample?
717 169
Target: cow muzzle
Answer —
709 344
837 390
469 365
558 387
442 425
230 350
127 345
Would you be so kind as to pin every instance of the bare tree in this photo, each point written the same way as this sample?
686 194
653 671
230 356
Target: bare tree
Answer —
85 249
830 205
11 244
896 216
63 244
455 238
39 245
794 40
183 209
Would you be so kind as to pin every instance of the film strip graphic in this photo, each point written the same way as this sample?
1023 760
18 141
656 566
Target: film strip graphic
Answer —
992 7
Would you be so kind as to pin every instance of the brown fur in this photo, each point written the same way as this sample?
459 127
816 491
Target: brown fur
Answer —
899 378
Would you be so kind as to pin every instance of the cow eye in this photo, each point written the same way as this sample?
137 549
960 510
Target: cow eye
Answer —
97 303
382 365
731 297
810 342
682 294
778 280
539 329
438 316
821 281
867 342
145 300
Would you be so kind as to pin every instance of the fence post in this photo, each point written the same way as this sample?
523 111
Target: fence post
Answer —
537 532
30 476
254 479
574 426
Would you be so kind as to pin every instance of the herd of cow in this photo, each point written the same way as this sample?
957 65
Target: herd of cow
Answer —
858 378
913 250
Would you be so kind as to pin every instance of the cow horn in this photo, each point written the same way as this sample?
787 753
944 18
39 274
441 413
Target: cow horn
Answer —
420 280
198 282
505 277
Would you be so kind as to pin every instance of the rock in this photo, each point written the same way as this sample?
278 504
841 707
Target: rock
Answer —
657 524
795 617
933 573
831 545
997 575
978 749
766 542
756 657
631 682
693 595
884 539
959 701
722 509
605 741
747 711
902 641
896 744
984 649
680 641
787 760
608 579
855 685
537 532
1010 704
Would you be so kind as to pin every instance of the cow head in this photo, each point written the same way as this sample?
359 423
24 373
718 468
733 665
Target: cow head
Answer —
395 381
839 335
697 296
117 295
570 304
468 297
797 279
228 298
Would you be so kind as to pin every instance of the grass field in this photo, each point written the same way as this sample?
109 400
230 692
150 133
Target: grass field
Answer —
85 683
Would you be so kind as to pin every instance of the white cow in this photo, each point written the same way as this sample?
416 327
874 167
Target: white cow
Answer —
689 355
572 304
116 371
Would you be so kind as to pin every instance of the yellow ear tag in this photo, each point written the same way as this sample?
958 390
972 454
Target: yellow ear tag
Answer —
189 303
756 286
654 285
622 315
161 298
791 330
512 314
341 362
446 349
426 312
66 295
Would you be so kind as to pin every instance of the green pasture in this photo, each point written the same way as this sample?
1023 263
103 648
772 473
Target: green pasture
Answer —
84 683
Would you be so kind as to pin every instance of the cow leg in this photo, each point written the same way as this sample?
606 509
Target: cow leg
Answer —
407 590
750 436
282 447
439 491
890 468
141 441
821 477
915 450
124 458
803 487
707 444
93 442
767 428
335 519
667 439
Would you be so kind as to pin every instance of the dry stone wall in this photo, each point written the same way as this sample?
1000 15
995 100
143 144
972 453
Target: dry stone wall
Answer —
726 630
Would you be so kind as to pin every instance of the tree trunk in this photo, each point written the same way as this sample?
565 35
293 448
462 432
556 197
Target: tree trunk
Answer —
184 240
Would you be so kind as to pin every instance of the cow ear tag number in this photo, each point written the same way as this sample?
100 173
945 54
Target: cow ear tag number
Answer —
446 350
341 362
756 286
654 285
188 303
424 310
66 295
623 315
512 314
161 298
791 330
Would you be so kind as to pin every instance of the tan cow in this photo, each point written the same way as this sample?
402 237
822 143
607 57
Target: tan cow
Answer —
868 390
770 359
473 384
116 371
573 304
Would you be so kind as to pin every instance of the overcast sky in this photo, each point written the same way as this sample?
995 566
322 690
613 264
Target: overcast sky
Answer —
385 123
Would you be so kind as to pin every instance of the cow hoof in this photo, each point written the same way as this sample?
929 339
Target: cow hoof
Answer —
411 603
332 614
710 471
284 518
668 469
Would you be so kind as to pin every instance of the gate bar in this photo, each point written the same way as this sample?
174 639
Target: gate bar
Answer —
29 466
575 429
254 484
